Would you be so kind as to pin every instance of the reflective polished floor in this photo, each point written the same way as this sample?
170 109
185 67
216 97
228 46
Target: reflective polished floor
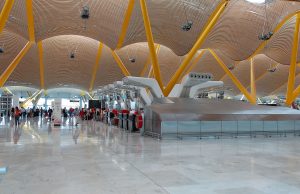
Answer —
93 158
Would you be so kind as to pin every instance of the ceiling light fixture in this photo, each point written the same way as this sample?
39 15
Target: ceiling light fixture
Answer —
267 32
256 1
72 55
266 36
85 12
231 67
132 60
187 26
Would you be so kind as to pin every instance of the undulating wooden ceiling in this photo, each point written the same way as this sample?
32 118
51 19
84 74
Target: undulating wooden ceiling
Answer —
234 37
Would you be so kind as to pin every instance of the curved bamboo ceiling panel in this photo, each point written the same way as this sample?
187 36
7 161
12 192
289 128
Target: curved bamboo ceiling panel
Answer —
238 27
282 89
242 71
279 48
271 81
167 18
168 60
63 71
169 63
12 45
27 73
57 17
108 71
234 38
138 52
62 17
17 21
236 33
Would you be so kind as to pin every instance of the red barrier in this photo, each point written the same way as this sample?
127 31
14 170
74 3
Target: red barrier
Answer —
139 121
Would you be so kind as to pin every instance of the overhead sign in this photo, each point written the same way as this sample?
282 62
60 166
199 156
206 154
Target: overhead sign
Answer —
74 100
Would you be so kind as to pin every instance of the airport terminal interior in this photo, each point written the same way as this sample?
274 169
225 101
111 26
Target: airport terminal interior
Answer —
149 96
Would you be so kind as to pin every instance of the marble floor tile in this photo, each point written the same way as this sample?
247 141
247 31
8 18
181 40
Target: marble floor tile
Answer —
93 158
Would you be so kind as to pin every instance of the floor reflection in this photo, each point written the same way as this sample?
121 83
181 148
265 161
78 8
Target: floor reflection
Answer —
40 130
16 134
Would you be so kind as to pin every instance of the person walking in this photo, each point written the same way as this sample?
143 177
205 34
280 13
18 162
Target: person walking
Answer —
17 116
50 114
12 112
41 112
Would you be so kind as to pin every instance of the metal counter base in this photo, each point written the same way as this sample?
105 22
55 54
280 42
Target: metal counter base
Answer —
183 117
219 129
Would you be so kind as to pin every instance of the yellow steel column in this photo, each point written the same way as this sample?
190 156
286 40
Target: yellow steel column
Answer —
36 99
233 78
145 66
223 77
89 95
157 47
28 100
41 58
292 72
7 90
252 78
96 66
261 76
151 73
120 63
211 23
5 75
29 93
5 13
148 30
125 23
295 94
82 93
258 78
30 20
